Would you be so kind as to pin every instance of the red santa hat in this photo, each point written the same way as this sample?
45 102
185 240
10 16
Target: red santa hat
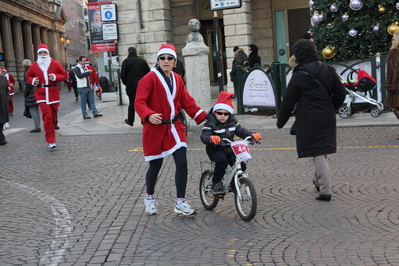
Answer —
87 62
4 69
167 49
42 47
224 102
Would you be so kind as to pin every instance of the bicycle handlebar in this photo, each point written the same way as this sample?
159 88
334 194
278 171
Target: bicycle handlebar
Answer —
247 139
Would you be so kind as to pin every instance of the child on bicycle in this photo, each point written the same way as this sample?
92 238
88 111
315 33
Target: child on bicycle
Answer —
222 124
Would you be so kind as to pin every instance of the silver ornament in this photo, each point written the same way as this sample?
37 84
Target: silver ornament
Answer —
345 17
397 6
376 28
311 3
356 5
353 32
333 8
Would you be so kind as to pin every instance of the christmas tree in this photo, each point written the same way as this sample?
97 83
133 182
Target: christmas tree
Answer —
355 29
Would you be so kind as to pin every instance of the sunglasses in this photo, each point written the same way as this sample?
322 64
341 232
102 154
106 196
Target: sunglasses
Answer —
221 113
163 58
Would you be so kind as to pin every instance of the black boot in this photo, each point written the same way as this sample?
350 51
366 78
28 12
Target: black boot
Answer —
325 197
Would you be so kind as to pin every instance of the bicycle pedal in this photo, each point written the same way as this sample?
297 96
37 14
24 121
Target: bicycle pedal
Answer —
220 196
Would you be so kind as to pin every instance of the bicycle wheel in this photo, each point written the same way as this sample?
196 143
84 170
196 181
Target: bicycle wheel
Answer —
208 200
247 204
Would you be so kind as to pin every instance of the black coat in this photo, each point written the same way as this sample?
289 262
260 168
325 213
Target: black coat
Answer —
30 100
4 98
133 69
316 108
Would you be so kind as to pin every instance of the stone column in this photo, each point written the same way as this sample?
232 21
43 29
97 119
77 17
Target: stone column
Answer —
238 32
8 46
19 49
36 36
197 68
53 45
28 45
44 35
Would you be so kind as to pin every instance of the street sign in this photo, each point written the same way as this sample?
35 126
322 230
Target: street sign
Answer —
224 4
110 31
108 12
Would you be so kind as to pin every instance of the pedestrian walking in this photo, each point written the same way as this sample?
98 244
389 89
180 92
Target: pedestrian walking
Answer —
45 74
11 83
4 98
83 83
253 57
30 100
317 91
133 69
161 95
392 83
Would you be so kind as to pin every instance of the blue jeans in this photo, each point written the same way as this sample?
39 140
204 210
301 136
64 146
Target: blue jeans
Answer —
86 95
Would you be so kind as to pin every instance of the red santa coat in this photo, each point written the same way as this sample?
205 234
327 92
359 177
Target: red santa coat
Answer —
10 83
153 96
49 95
93 75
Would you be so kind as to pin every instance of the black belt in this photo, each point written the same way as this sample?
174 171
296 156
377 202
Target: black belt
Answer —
167 122
46 86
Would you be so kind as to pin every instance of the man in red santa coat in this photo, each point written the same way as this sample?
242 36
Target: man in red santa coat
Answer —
160 96
45 73
11 82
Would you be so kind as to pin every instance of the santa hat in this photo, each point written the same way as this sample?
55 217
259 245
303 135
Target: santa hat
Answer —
167 49
4 69
224 102
42 47
87 62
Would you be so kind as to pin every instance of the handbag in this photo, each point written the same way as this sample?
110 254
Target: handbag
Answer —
27 112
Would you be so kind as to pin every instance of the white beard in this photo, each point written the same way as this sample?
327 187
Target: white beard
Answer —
44 62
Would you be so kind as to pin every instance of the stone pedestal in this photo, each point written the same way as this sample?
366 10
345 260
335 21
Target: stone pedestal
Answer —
197 68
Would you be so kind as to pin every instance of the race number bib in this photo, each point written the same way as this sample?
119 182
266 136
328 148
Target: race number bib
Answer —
241 150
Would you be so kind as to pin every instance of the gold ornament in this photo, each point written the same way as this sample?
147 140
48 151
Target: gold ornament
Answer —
328 52
381 9
329 25
392 28
378 54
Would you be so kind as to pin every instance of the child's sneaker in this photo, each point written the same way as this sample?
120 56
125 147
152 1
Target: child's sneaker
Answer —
184 208
150 206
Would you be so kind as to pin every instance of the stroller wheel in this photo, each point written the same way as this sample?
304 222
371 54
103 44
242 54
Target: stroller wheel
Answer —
375 112
345 112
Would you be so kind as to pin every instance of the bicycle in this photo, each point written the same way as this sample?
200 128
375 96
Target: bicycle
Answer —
235 180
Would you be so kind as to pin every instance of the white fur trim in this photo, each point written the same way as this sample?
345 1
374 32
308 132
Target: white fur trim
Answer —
224 107
167 51
43 49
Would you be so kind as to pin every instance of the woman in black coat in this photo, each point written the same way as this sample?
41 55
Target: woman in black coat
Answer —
316 107
253 57
4 98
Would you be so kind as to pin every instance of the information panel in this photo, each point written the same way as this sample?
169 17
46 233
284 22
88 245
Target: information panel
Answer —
224 4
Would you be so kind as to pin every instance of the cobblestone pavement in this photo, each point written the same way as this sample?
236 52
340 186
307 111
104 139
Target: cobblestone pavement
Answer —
82 203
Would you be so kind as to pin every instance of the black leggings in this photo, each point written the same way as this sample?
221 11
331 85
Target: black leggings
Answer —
180 159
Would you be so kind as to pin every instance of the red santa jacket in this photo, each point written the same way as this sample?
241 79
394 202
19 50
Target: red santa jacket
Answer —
153 96
10 82
51 94
93 75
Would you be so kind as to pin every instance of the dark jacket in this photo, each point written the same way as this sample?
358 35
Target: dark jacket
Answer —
392 82
133 69
253 57
30 100
4 98
316 108
239 58
227 130
72 79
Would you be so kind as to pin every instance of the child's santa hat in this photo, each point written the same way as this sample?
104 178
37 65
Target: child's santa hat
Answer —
224 102
43 47
4 69
167 49
87 62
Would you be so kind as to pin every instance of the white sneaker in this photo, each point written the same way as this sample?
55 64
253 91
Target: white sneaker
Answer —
52 146
6 125
184 208
150 206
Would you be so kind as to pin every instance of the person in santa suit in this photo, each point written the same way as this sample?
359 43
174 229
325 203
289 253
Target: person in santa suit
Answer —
45 73
11 83
160 96
94 82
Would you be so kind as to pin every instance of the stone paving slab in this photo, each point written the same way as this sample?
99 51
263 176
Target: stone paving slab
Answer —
82 203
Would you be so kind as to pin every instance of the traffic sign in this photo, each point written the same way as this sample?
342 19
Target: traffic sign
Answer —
110 31
224 4
108 12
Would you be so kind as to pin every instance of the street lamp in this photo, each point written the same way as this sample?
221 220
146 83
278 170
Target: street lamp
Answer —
67 41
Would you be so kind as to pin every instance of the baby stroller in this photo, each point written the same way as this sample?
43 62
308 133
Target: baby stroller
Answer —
360 89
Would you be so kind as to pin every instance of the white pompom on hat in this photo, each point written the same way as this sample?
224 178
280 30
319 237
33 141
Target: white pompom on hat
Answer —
167 49
224 102
42 47
4 69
